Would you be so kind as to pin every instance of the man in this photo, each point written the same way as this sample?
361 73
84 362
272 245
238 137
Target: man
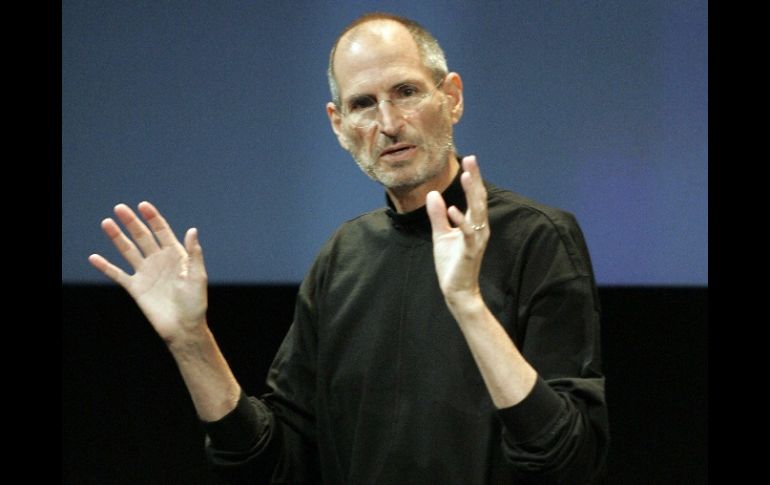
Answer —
452 337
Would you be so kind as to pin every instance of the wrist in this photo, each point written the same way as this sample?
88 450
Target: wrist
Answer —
466 305
188 336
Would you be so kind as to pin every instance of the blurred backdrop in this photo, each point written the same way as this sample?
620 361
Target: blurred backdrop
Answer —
214 111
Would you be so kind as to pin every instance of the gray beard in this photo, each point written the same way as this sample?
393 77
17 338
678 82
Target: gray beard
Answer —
424 173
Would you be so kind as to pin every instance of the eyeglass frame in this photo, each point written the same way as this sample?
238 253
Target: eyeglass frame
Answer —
345 113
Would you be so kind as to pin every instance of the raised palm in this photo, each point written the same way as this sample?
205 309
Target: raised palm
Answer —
458 250
169 280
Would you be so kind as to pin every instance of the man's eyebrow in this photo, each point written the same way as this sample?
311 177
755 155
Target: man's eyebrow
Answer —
416 82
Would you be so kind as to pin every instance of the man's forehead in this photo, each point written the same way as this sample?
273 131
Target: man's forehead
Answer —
376 49
375 40
377 31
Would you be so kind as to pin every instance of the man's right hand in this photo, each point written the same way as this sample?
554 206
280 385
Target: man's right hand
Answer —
169 280
169 284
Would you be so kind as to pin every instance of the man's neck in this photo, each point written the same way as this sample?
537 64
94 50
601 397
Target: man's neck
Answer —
407 199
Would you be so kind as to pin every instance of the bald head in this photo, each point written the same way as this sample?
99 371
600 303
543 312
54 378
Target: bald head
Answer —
386 29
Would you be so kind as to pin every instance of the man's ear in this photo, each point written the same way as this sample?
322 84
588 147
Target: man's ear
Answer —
335 118
453 89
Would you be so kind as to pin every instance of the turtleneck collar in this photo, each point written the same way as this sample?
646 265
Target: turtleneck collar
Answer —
417 221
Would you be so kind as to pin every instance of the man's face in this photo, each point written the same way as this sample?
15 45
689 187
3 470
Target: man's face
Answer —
399 151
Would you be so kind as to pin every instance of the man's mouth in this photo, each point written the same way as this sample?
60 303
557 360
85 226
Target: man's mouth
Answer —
398 152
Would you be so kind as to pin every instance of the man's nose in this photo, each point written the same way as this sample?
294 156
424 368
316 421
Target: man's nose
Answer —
390 118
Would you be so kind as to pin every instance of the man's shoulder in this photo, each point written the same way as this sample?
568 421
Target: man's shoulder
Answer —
375 221
352 236
507 205
523 221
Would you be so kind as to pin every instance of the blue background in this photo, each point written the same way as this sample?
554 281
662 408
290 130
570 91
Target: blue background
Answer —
214 111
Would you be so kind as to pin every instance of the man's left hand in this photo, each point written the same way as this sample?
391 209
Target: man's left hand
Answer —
458 250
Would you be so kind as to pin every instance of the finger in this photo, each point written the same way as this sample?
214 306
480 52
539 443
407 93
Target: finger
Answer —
194 249
464 224
158 224
110 270
475 192
471 165
473 184
139 232
437 213
122 243
459 220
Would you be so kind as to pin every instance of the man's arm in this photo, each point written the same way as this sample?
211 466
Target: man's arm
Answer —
458 253
169 285
547 387
245 440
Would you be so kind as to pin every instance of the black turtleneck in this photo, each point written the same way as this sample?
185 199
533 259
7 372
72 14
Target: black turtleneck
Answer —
417 221
375 383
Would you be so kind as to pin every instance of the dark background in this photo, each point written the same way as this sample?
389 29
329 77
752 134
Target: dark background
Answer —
127 417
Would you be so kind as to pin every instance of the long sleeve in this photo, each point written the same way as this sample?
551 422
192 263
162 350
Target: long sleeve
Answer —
239 447
271 439
560 432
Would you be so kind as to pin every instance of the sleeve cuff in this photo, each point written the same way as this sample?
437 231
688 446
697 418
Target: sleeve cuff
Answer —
533 416
242 427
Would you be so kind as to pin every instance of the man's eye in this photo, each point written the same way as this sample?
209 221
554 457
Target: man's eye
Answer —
407 91
361 103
